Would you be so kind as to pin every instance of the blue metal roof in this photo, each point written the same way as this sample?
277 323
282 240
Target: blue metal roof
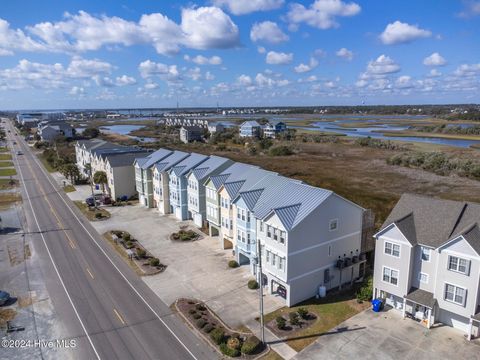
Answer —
232 173
245 181
207 167
293 203
171 160
155 157
188 164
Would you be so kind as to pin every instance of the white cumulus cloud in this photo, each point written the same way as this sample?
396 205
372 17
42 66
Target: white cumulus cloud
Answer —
399 33
203 60
279 58
434 60
321 14
242 7
267 31
382 65
345 54
303 68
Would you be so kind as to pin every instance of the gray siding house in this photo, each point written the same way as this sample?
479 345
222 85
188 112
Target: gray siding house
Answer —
427 261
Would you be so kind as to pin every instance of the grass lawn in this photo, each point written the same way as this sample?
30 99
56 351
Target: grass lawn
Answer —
8 199
8 172
271 355
46 164
8 184
330 312
69 188
3 149
5 157
6 164
90 214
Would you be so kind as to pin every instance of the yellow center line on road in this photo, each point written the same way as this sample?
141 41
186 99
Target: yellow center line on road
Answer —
119 316
90 273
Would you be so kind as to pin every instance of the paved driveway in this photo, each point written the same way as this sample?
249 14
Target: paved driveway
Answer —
195 269
386 335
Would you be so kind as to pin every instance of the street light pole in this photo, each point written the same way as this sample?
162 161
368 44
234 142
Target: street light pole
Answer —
260 292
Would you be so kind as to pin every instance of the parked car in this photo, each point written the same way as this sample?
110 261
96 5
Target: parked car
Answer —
106 200
4 297
90 201
19 152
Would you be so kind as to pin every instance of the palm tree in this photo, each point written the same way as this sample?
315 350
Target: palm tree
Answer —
100 177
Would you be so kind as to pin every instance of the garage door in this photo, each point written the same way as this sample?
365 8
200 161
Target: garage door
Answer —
453 320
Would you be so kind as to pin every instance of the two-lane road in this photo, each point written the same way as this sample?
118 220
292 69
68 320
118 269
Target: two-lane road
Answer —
112 313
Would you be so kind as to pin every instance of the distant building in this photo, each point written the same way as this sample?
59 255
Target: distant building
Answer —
215 127
48 131
191 133
273 128
250 129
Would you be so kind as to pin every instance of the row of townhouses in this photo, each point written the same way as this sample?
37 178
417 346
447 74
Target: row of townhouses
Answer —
427 262
427 253
308 237
240 204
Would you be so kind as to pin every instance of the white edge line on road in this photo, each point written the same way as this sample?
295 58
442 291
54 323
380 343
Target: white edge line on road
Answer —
51 258
111 261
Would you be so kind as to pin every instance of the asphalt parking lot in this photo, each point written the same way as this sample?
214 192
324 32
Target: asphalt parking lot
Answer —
386 335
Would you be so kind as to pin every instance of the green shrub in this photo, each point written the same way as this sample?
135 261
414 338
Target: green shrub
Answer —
201 323
127 236
252 284
98 215
117 233
196 316
293 317
128 244
218 336
302 312
281 150
154 261
233 264
281 322
228 351
365 293
200 307
192 311
250 345
141 253
208 328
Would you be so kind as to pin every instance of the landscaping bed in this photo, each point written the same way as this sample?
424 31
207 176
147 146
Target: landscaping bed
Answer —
142 261
91 213
185 235
229 342
69 188
6 184
322 315
8 199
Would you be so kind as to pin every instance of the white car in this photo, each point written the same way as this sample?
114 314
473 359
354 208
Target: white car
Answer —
19 152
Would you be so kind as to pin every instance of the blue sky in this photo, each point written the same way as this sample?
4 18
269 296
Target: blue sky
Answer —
94 54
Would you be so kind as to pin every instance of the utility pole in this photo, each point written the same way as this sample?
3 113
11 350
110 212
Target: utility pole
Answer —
260 290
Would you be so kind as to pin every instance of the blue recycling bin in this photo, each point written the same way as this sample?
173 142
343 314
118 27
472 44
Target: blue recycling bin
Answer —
377 305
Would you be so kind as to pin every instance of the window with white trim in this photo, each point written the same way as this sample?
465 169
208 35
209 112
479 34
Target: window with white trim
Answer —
392 249
269 231
425 253
267 256
333 225
280 263
282 237
455 294
423 278
390 276
458 264
274 257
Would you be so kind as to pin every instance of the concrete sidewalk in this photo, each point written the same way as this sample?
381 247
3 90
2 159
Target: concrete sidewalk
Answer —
280 347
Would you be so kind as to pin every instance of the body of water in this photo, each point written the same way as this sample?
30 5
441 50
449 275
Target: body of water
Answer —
126 130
